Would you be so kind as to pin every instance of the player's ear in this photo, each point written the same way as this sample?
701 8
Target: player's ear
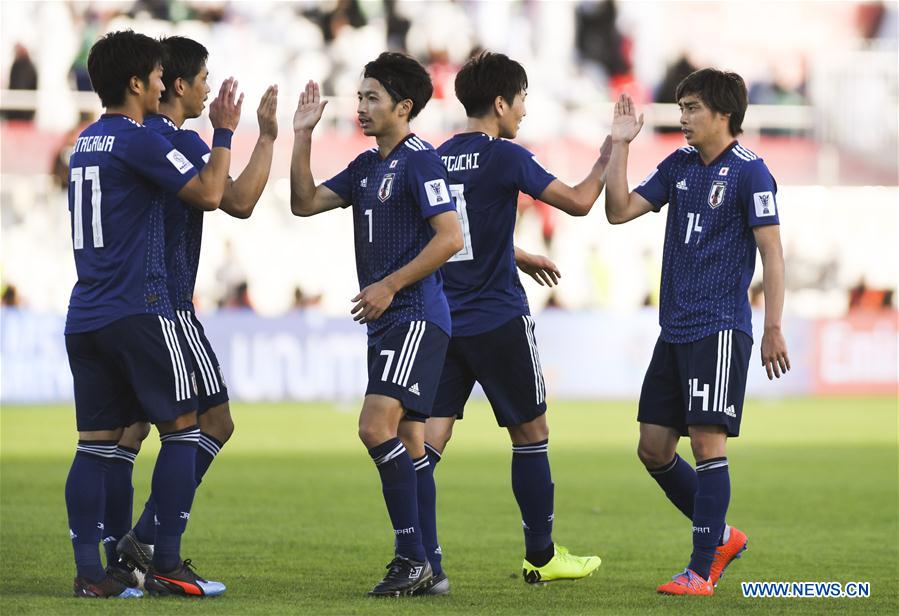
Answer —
136 85
500 105
179 86
405 106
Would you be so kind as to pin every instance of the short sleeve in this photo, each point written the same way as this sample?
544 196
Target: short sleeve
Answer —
655 186
530 176
155 158
758 194
192 146
428 183
342 185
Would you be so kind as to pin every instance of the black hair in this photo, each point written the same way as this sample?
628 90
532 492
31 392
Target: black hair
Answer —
721 91
116 58
402 77
486 76
183 58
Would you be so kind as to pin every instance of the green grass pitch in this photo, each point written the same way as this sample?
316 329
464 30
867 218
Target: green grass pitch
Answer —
290 516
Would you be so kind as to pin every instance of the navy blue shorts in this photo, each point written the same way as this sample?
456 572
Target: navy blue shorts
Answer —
506 364
211 388
134 369
697 383
405 365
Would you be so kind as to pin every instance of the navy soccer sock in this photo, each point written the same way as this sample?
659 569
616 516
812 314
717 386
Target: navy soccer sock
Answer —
399 485
678 480
533 488
145 529
207 449
427 506
85 501
119 500
709 511
174 484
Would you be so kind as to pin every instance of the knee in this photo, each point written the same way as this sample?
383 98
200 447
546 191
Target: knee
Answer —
373 433
218 423
134 435
652 457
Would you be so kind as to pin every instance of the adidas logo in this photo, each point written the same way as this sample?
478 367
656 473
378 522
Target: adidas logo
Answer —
414 389
363 183
730 411
682 185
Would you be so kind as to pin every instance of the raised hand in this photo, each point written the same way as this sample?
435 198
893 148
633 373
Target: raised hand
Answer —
625 123
267 113
310 108
224 111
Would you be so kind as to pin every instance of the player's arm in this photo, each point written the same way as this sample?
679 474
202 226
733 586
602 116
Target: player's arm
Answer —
774 347
578 200
242 194
307 199
373 300
538 267
205 190
621 205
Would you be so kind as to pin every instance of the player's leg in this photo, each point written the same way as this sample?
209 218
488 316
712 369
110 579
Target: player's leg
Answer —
120 498
160 372
404 371
661 415
99 394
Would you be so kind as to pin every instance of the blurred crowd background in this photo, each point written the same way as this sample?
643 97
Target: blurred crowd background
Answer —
823 87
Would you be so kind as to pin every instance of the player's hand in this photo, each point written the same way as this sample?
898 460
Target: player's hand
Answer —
774 353
625 123
224 111
372 301
267 113
309 109
605 154
538 267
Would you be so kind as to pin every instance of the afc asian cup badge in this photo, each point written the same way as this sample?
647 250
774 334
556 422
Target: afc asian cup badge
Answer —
716 194
386 186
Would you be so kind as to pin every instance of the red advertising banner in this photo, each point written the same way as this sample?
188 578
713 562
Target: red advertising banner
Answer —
857 354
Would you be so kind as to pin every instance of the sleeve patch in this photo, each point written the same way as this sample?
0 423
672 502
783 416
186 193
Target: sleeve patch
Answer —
764 204
649 177
179 161
437 192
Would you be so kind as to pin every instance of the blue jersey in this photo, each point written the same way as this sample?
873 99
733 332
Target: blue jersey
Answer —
392 200
481 281
118 173
710 250
183 222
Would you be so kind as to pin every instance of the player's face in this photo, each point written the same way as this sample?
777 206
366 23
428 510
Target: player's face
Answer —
376 111
153 91
699 124
195 94
511 120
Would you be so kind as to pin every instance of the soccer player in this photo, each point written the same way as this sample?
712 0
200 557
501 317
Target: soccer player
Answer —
125 351
405 228
185 78
493 340
722 206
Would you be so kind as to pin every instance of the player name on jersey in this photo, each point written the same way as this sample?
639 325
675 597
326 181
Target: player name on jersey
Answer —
462 162
95 143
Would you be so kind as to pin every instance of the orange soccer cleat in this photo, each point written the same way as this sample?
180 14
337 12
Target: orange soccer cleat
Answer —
727 553
687 583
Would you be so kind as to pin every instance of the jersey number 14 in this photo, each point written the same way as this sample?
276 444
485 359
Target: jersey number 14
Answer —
79 176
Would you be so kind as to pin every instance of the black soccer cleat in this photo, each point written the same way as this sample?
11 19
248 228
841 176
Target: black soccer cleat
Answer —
106 588
404 577
122 573
183 582
438 586
133 552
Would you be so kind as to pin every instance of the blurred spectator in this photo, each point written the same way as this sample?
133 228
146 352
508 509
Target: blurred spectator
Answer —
22 76
665 91
876 20
863 297
301 300
59 168
397 27
346 13
600 43
238 298
90 32
10 297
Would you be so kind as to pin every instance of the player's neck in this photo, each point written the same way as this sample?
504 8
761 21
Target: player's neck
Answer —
488 125
389 140
173 113
712 150
130 108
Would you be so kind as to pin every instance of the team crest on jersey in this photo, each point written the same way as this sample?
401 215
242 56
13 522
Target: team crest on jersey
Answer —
386 187
716 194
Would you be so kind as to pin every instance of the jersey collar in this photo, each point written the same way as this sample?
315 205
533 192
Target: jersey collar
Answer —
109 116
718 158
